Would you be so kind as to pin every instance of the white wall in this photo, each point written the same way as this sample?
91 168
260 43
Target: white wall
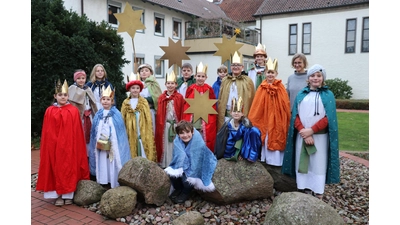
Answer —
328 32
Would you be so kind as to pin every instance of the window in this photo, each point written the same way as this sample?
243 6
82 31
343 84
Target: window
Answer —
176 29
365 35
351 36
292 39
158 67
158 24
141 18
113 7
306 47
139 60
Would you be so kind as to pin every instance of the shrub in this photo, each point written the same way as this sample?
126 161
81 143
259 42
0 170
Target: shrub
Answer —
62 41
340 88
358 104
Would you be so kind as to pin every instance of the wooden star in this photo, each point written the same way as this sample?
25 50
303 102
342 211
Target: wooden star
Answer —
175 53
201 106
129 20
227 48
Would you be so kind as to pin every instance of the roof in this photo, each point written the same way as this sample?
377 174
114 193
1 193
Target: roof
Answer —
199 8
241 10
269 7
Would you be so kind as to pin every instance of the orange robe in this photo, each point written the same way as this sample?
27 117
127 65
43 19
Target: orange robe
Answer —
270 112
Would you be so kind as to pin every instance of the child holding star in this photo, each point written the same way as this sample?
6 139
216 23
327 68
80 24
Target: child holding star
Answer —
207 129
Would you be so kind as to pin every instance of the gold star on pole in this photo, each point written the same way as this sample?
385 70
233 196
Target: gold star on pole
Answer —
237 31
129 20
175 53
227 48
201 106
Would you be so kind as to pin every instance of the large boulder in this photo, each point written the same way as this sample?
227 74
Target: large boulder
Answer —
282 182
189 218
88 192
239 181
300 209
147 178
118 202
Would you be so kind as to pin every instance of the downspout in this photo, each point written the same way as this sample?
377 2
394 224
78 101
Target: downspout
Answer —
81 7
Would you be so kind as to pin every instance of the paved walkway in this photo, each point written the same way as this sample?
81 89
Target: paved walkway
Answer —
43 211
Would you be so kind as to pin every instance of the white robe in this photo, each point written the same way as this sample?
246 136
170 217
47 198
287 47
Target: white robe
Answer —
315 178
108 163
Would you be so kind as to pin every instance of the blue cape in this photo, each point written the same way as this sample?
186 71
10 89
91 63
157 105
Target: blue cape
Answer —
195 160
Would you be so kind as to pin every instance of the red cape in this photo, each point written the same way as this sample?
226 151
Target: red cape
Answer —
161 118
63 157
210 132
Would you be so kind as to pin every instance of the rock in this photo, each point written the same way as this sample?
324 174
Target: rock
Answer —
282 182
239 181
147 178
118 202
88 192
300 209
189 218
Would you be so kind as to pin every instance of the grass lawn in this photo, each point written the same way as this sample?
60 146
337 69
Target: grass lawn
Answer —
353 131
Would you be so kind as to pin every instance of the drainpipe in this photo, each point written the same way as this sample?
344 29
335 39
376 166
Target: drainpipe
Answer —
260 29
81 7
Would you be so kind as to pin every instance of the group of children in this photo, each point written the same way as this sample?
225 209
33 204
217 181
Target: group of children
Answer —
254 122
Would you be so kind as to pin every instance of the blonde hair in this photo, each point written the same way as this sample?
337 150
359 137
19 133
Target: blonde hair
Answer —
93 73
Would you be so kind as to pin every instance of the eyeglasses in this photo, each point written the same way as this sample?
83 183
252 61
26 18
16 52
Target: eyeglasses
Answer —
236 65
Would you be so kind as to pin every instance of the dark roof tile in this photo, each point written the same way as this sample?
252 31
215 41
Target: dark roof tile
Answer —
241 10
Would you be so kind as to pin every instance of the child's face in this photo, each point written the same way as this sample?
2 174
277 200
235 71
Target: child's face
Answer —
99 73
270 75
145 73
135 90
260 60
185 135
186 73
170 85
315 80
106 102
61 98
236 115
222 74
200 78
81 81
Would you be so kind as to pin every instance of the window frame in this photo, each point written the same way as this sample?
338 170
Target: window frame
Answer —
303 42
162 21
117 5
162 66
179 34
141 18
348 32
365 39
291 36
140 58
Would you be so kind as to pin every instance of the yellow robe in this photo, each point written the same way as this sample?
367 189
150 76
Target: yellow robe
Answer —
146 127
245 88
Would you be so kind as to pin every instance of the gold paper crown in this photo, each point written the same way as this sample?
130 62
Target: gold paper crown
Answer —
260 50
272 65
201 68
170 77
133 77
236 58
107 92
61 88
237 105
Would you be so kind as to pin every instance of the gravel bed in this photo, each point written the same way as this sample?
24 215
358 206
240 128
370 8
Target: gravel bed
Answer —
350 198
